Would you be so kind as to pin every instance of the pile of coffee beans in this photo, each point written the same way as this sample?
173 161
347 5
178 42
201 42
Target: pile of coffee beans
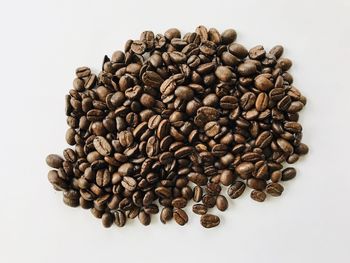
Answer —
178 118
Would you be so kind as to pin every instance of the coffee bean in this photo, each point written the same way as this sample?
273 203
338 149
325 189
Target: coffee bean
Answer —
228 36
245 169
209 200
209 220
262 83
221 203
277 51
223 73
274 189
258 196
184 93
302 149
262 101
226 177
198 193
166 215
82 72
288 174
238 50
180 216
102 146
107 219
236 189
199 209
284 63
247 69
257 184
119 218
198 178
257 52
54 161
285 146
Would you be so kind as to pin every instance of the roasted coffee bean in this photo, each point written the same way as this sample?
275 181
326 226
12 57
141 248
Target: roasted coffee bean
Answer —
102 146
257 184
199 209
247 69
221 203
209 200
180 216
171 117
107 219
223 73
197 194
245 169
54 161
236 189
166 215
226 177
119 218
288 174
198 178
209 220
258 196
262 83
274 189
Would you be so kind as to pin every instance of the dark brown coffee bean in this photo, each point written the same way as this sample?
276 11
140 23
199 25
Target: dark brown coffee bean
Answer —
257 184
257 52
238 50
223 73
245 169
126 138
226 177
54 161
163 129
236 189
126 169
221 203
82 72
197 194
180 216
277 51
212 128
103 178
166 215
228 36
198 178
129 183
209 220
288 174
302 149
179 202
209 200
102 146
274 189
258 196
183 152
284 64
247 69
184 93
262 83
120 218
107 219
262 101
199 209
285 146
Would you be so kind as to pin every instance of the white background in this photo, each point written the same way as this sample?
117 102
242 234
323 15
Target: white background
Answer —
41 44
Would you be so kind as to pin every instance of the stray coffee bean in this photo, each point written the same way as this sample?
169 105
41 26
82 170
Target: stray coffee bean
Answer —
173 119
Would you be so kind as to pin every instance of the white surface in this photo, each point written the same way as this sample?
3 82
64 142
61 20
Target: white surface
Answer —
42 42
